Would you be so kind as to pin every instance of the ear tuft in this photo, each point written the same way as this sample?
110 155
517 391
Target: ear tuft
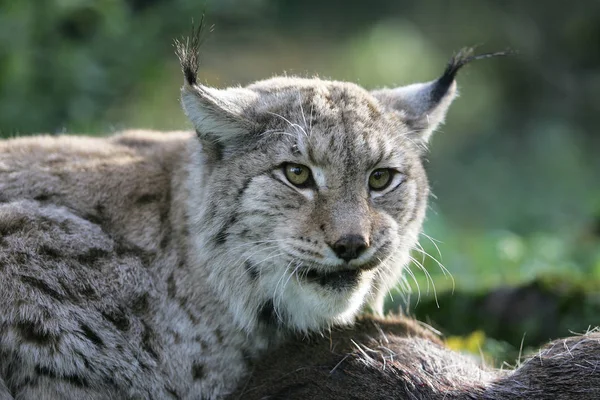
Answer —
217 115
188 51
459 60
423 106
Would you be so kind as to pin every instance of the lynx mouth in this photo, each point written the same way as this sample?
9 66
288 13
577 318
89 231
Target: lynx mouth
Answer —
343 279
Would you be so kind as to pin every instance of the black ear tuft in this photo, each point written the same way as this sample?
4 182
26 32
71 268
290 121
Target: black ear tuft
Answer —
188 51
460 59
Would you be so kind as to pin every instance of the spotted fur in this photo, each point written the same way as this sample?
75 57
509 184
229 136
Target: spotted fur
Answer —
159 265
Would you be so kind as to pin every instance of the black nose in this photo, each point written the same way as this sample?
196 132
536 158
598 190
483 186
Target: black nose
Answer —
350 247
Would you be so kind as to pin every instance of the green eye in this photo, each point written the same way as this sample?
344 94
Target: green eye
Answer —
380 179
298 175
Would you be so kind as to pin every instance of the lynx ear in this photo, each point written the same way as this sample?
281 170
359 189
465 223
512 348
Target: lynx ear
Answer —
423 106
217 115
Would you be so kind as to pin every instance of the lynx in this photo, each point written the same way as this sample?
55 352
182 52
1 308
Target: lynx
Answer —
159 265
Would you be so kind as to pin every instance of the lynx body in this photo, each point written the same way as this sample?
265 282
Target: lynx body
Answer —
158 265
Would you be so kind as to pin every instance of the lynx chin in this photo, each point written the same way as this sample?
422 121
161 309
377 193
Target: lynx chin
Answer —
159 265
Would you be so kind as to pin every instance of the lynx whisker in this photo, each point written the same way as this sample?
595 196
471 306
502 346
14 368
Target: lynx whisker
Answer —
239 263
445 271
433 241
429 278
304 119
277 302
311 115
292 124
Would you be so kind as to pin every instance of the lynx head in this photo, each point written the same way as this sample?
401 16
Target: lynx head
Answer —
311 192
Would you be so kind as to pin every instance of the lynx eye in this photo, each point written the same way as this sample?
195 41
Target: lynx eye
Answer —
380 178
297 174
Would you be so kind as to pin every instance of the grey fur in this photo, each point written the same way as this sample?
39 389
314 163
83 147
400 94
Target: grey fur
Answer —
158 265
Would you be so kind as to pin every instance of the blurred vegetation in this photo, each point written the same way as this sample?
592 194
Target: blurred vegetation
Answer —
515 170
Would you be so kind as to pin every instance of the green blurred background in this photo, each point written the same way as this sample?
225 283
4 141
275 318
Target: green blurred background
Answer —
515 171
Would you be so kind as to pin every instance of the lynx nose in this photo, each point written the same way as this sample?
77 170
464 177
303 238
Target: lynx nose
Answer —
350 247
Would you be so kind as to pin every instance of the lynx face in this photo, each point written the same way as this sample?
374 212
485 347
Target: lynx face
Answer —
314 190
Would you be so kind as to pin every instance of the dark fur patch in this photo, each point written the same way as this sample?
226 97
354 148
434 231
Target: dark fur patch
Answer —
198 372
200 340
140 305
42 287
74 380
219 335
118 319
100 210
221 236
91 257
83 358
81 291
171 286
245 233
184 307
172 392
165 217
7 228
33 333
267 314
66 227
21 257
91 335
50 252
148 198
148 340
212 149
93 218
165 240
247 356
243 188
42 197
165 209
98 216
309 252
176 337
87 291
252 270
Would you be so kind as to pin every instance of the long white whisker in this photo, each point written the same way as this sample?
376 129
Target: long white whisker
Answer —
293 125
429 278
230 250
445 271
410 273
277 302
291 274
237 262
386 266
433 241
312 106
423 253
303 118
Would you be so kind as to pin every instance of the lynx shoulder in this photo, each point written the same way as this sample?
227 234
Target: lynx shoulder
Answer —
159 265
